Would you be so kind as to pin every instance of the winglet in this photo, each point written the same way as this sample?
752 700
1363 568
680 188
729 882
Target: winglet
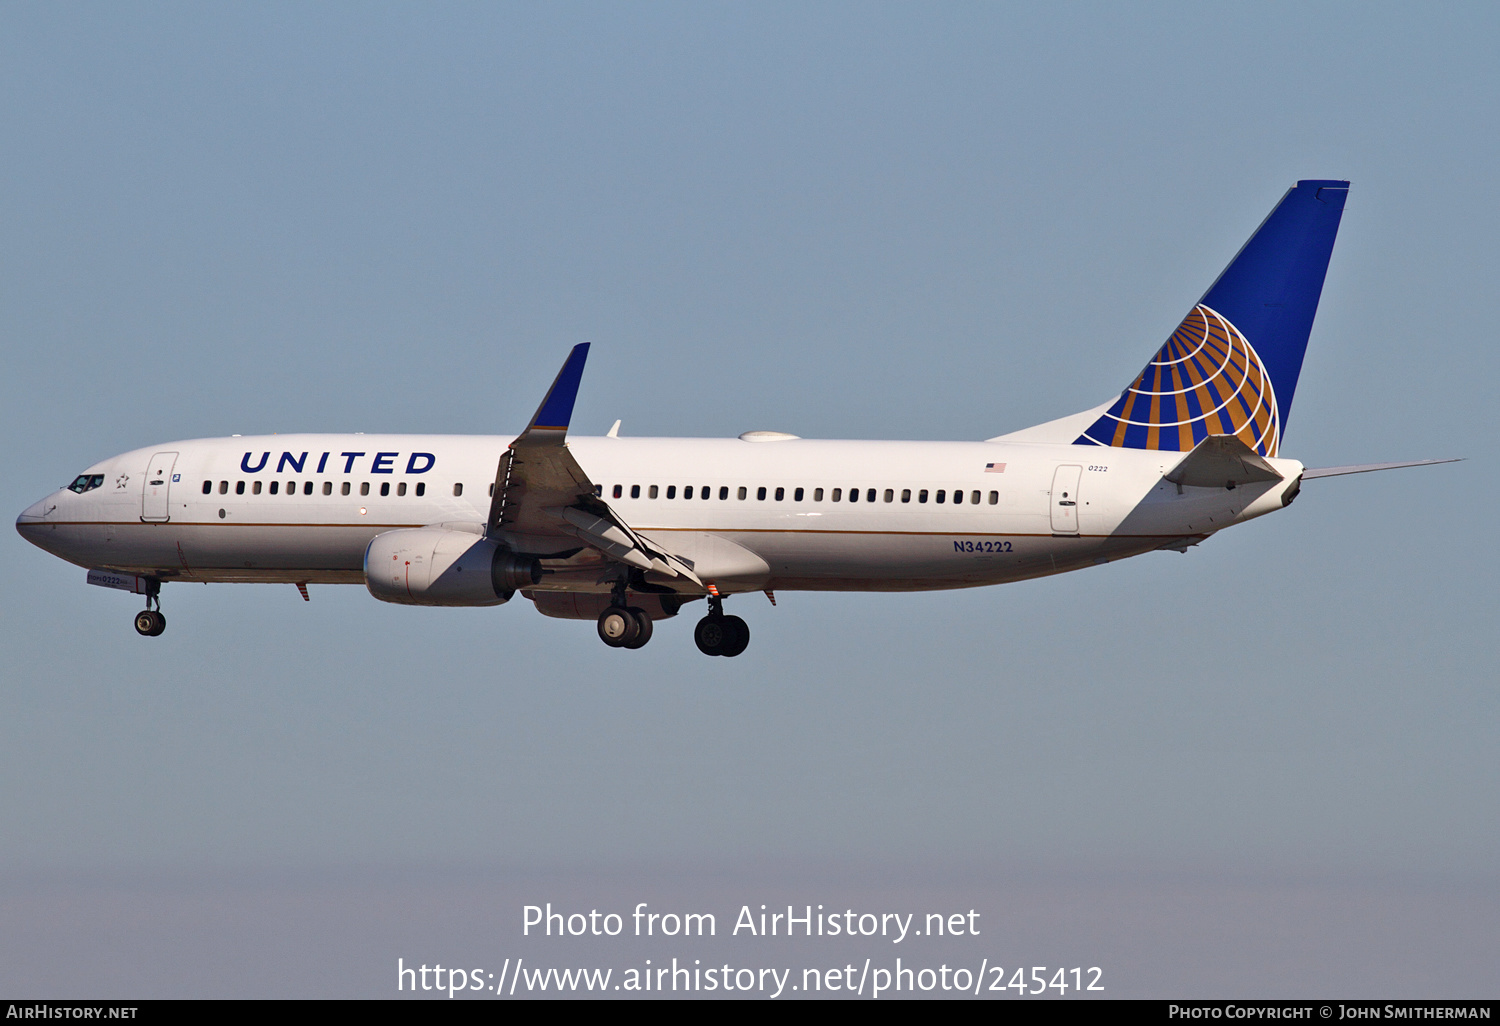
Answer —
557 409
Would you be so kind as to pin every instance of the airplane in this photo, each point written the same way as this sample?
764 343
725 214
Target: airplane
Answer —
627 531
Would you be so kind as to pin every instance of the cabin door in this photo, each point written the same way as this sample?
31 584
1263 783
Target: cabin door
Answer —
154 500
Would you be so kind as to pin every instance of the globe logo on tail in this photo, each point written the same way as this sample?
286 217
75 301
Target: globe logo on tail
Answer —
1206 380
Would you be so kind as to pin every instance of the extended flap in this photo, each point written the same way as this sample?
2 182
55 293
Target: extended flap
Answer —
612 536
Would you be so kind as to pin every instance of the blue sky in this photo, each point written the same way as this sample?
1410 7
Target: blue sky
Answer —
886 221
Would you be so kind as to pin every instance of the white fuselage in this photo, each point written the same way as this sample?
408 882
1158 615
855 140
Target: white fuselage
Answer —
303 508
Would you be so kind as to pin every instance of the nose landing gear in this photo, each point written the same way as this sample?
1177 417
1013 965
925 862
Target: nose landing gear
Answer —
149 623
720 635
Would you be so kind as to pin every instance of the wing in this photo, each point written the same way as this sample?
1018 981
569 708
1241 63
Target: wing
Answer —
544 502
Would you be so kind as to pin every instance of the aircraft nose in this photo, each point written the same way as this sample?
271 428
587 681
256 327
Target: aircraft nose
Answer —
36 513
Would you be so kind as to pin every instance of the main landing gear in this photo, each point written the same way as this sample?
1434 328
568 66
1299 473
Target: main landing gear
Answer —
720 635
624 627
149 623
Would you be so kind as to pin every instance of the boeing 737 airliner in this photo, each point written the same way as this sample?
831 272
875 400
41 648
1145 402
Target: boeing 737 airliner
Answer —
627 531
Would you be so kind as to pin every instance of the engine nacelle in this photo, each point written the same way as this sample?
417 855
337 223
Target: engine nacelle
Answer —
433 566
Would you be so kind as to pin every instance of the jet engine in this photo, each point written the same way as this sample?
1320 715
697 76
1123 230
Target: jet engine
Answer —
434 566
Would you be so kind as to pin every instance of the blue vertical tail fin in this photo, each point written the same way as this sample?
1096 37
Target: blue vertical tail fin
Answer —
1231 366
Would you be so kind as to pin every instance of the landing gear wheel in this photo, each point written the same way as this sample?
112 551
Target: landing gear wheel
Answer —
709 635
643 621
738 639
618 627
149 623
721 635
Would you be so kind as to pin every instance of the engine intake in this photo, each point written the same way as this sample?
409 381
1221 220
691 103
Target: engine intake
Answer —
432 566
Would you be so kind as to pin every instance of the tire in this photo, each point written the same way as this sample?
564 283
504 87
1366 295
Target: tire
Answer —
644 628
617 627
161 625
739 636
145 623
710 635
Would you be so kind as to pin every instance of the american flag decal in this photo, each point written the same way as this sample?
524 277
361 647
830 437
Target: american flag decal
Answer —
994 468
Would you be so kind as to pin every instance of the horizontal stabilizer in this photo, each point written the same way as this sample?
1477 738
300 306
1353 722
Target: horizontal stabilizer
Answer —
1365 468
1222 461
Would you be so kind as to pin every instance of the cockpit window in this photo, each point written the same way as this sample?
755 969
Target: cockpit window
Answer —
86 483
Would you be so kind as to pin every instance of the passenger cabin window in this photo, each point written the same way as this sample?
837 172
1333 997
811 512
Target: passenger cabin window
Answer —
742 492
671 491
780 494
458 489
401 488
208 486
344 488
291 487
327 487
307 488
940 494
870 495
906 495
797 495
687 493
619 490
817 495
635 491
760 493
723 492
255 488
890 495
421 487
706 492
385 488
994 498
239 488
854 495
958 496
652 493
974 498
922 495
223 487
838 493
86 483
364 488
